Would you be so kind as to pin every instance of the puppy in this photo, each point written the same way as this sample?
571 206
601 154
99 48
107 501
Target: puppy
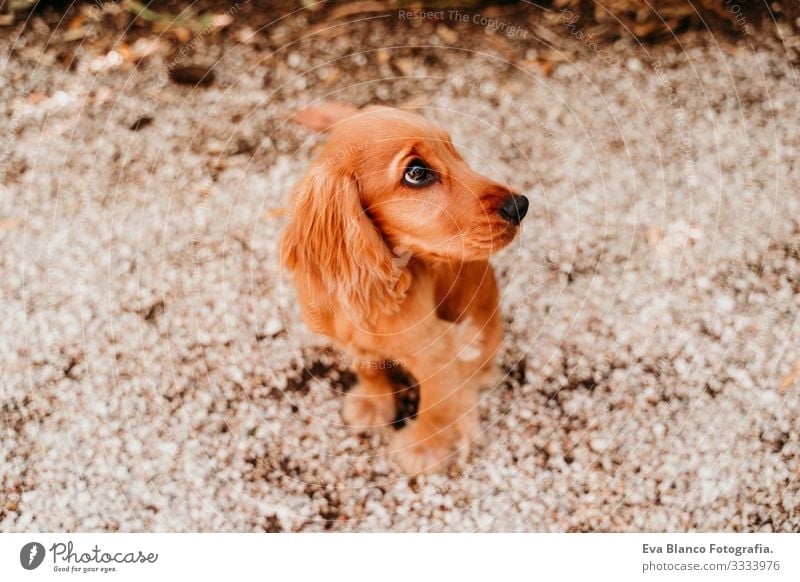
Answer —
388 238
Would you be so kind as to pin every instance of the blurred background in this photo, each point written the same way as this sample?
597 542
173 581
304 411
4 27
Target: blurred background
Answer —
154 372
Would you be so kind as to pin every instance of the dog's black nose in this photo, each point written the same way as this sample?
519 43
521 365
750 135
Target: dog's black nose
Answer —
514 208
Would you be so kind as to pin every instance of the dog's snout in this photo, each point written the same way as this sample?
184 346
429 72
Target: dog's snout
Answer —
514 208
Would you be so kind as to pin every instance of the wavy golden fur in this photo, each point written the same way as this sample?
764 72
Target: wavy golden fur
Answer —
388 238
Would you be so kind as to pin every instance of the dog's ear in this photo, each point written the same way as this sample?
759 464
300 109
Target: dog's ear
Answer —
334 246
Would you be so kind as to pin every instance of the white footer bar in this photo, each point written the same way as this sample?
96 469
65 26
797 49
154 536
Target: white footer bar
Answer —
401 557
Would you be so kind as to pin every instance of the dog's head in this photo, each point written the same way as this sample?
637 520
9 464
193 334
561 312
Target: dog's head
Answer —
389 186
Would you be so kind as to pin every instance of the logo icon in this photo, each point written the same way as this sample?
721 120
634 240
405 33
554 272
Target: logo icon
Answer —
31 555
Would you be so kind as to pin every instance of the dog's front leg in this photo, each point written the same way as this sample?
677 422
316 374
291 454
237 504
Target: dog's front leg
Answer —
447 419
370 403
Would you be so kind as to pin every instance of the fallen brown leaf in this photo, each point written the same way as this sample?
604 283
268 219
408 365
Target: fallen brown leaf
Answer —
141 122
144 47
405 66
180 33
653 235
74 34
544 67
273 213
8 223
332 77
193 75
448 35
350 8
76 22
790 379
500 44
383 55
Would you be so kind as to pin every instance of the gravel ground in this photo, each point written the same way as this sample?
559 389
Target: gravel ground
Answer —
152 354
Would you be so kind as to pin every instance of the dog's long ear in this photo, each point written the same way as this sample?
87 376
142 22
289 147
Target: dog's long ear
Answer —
336 249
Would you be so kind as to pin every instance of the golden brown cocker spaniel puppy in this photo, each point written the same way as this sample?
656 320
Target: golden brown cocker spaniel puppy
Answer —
389 238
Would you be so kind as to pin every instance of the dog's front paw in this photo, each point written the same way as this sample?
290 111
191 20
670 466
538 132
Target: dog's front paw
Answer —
365 410
469 432
419 452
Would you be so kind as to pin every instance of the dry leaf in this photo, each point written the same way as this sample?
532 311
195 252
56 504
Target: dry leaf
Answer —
646 29
76 34
332 77
220 21
405 66
321 117
273 213
350 8
140 122
76 22
448 35
500 44
790 379
545 67
653 235
180 33
144 47
193 75
383 55
8 223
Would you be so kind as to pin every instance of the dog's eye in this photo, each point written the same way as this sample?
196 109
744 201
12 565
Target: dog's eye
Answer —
418 173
